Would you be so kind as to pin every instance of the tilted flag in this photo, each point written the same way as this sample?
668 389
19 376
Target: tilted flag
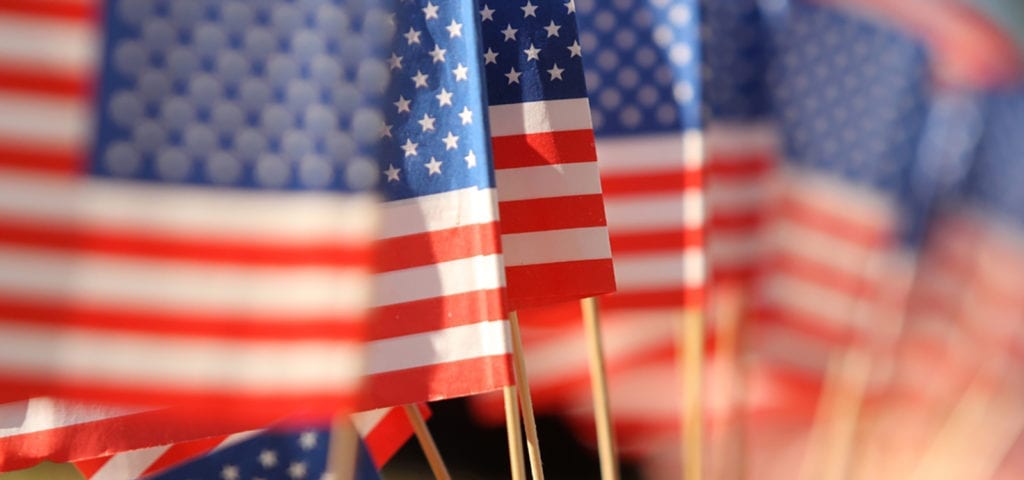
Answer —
440 330
383 432
554 233
211 242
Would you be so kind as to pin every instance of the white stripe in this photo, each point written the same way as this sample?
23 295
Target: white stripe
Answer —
429 213
39 414
656 211
572 244
731 138
43 120
660 270
235 439
732 249
837 309
59 44
731 196
129 464
142 361
250 291
838 197
640 153
366 421
483 272
540 117
168 210
447 345
548 181
823 247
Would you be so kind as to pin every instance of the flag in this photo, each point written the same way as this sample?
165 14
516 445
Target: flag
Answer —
440 328
203 233
554 233
382 431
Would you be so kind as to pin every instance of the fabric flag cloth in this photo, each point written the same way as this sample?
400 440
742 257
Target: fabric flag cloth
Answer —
212 242
554 233
383 432
440 328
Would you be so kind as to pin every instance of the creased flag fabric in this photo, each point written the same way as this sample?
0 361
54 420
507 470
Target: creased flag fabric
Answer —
440 329
201 231
383 432
554 232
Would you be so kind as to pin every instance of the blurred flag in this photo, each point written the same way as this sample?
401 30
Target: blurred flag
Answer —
554 233
439 331
210 242
383 432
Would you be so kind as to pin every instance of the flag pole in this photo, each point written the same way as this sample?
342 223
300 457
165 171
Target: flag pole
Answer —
515 436
525 400
606 448
690 332
343 449
426 441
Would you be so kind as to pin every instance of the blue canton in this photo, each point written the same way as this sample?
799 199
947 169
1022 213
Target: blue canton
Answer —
735 51
994 182
242 94
435 131
642 63
270 456
531 51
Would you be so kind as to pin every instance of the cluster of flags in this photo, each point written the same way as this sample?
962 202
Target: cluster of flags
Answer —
223 223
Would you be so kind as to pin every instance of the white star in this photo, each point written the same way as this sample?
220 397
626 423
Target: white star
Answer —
530 10
430 11
570 6
575 49
307 440
427 122
555 72
444 98
510 33
438 53
392 173
490 56
513 76
552 29
461 72
412 36
451 142
297 470
395 62
466 115
454 29
470 159
229 472
268 458
385 131
420 79
402 104
409 147
433 166
486 13
531 53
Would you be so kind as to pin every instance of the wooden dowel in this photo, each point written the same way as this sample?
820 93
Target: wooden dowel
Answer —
525 400
426 441
690 357
343 450
515 437
606 448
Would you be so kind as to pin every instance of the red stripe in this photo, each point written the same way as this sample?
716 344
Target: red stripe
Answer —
535 285
51 159
64 10
437 313
664 181
556 213
182 246
184 323
437 382
65 84
672 297
809 323
538 149
672 240
739 165
731 222
438 246
90 466
861 231
792 264
388 436
183 452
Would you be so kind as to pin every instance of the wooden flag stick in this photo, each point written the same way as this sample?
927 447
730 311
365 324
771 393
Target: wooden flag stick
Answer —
525 400
426 440
599 391
343 450
515 436
690 357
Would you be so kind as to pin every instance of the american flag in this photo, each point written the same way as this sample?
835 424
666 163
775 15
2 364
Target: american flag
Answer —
203 233
554 233
440 330
383 432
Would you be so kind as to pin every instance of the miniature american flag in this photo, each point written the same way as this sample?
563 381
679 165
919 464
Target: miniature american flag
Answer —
203 234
